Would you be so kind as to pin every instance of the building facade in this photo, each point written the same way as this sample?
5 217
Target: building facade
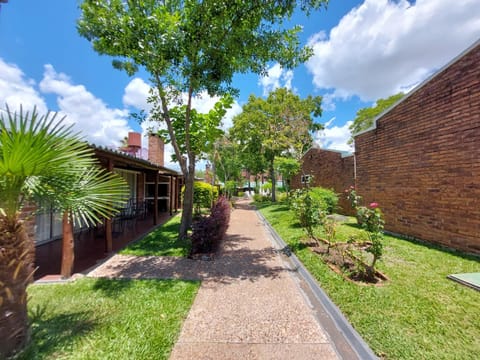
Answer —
154 196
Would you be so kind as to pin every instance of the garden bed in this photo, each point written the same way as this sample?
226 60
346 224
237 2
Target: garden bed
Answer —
417 314
340 259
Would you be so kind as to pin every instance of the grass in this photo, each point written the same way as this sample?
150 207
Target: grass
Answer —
161 242
418 314
107 319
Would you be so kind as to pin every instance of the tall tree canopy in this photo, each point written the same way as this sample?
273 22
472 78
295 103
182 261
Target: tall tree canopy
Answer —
191 46
280 125
225 160
288 168
365 116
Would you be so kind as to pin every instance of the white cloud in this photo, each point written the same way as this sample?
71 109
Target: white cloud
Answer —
334 137
136 94
276 76
16 90
167 154
328 102
97 122
231 113
382 47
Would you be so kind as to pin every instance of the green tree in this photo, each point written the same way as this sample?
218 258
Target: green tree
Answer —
226 160
288 168
280 125
365 116
34 148
205 129
250 156
200 174
191 47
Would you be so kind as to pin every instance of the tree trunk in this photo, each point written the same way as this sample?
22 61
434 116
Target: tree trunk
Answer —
272 176
187 206
68 251
17 254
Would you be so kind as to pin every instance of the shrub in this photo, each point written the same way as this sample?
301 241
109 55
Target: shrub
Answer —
353 197
371 219
266 187
209 231
282 197
259 198
308 210
327 198
230 187
204 195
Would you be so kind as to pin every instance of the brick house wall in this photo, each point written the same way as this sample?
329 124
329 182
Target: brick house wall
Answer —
421 162
331 170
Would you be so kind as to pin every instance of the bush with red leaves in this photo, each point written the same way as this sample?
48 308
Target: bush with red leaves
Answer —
209 231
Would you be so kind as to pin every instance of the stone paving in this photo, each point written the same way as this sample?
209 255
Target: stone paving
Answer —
251 303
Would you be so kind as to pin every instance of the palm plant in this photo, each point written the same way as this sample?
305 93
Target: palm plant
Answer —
40 157
84 198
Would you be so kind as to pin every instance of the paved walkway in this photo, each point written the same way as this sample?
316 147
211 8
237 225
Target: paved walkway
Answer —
251 305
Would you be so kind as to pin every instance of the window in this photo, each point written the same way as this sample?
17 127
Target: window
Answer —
131 179
306 179
163 190
48 226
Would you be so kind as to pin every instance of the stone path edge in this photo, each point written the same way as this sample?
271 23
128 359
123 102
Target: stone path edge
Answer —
343 328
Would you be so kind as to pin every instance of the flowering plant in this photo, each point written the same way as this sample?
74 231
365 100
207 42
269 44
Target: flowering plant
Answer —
307 209
353 197
371 219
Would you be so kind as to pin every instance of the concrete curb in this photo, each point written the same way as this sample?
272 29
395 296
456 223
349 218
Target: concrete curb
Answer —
343 328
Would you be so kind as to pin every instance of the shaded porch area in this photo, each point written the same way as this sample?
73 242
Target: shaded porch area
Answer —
90 244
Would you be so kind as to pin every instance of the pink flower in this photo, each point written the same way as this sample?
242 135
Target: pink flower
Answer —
373 205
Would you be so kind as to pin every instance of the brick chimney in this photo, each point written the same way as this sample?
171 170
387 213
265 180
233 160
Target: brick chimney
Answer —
156 149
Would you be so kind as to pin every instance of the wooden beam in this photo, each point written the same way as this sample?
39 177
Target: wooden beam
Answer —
170 188
108 222
155 201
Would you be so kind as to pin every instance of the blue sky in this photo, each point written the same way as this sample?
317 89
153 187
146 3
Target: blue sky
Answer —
364 50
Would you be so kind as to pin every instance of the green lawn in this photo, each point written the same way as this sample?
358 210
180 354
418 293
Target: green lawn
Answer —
161 242
418 314
107 319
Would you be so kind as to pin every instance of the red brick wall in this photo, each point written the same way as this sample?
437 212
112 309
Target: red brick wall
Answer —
422 162
330 170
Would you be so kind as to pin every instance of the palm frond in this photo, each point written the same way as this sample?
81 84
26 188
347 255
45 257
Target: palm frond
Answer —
88 194
33 145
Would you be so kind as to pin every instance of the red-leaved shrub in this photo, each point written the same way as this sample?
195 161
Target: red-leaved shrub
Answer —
209 231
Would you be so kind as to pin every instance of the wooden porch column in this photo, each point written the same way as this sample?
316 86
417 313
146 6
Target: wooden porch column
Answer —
68 246
155 201
170 186
108 222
